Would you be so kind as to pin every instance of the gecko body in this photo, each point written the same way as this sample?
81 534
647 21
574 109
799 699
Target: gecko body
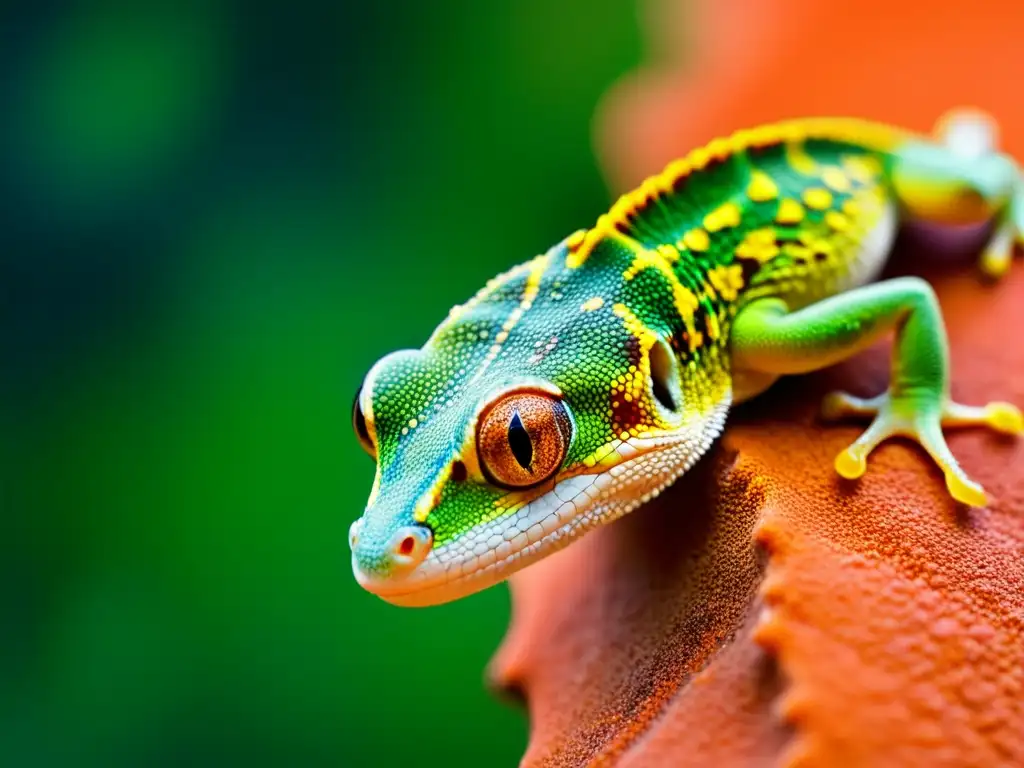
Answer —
578 385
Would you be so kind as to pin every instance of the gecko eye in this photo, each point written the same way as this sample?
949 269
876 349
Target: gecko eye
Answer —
359 425
522 439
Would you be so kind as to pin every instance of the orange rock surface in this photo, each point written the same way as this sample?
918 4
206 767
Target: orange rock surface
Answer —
763 611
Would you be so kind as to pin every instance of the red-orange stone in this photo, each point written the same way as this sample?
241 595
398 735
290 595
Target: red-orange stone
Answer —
763 611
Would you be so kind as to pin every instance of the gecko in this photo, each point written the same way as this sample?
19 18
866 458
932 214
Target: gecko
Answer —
578 385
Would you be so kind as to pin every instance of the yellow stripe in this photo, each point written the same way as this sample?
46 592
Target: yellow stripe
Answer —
873 136
537 267
682 297
426 503
798 158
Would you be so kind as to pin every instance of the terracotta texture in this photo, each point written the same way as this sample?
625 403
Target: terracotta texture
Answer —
764 611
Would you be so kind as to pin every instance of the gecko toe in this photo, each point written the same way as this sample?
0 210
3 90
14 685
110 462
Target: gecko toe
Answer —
850 464
1005 417
965 491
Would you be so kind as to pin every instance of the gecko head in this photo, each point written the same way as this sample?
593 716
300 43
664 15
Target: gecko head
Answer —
532 415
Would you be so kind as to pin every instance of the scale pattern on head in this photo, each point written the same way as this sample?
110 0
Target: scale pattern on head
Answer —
575 386
592 345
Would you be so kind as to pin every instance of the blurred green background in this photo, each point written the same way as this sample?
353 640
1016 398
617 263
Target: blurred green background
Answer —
216 217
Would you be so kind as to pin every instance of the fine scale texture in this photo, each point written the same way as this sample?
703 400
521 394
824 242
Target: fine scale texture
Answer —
763 611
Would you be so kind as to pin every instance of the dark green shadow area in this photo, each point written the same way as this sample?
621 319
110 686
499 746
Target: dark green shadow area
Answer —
218 216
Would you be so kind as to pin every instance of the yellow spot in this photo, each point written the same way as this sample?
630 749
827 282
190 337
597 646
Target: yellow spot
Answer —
727 281
697 240
790 212
413 423
726 215
817 198
862 168
851 208
798 158
575 240
837 221
759 244
836 179
591 304
761 187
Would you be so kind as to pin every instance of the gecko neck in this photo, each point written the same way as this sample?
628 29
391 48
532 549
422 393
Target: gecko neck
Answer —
687 299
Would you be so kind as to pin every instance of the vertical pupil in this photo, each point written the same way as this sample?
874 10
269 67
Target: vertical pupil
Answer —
519 441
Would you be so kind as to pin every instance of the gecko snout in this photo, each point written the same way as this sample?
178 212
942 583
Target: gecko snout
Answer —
391 558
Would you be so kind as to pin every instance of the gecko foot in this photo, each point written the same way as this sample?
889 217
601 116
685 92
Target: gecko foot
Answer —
920 418
972 136
998 253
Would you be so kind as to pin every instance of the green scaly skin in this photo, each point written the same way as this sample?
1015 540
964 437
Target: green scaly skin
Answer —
749 259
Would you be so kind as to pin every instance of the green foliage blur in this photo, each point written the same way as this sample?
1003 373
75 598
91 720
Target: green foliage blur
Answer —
217 216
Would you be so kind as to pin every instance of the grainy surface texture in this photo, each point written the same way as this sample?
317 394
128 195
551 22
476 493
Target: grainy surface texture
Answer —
764 611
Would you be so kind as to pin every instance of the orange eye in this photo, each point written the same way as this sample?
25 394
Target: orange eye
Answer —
522 439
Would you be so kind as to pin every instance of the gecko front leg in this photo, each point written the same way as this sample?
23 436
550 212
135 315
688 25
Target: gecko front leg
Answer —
769 339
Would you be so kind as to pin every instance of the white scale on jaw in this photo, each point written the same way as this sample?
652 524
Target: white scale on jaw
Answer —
490 551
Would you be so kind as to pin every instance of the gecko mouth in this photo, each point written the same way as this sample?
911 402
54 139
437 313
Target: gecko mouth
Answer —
492 552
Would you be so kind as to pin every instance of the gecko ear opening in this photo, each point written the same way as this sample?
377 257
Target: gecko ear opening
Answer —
665 376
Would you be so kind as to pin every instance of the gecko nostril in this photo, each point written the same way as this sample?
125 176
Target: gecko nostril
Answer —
410 546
